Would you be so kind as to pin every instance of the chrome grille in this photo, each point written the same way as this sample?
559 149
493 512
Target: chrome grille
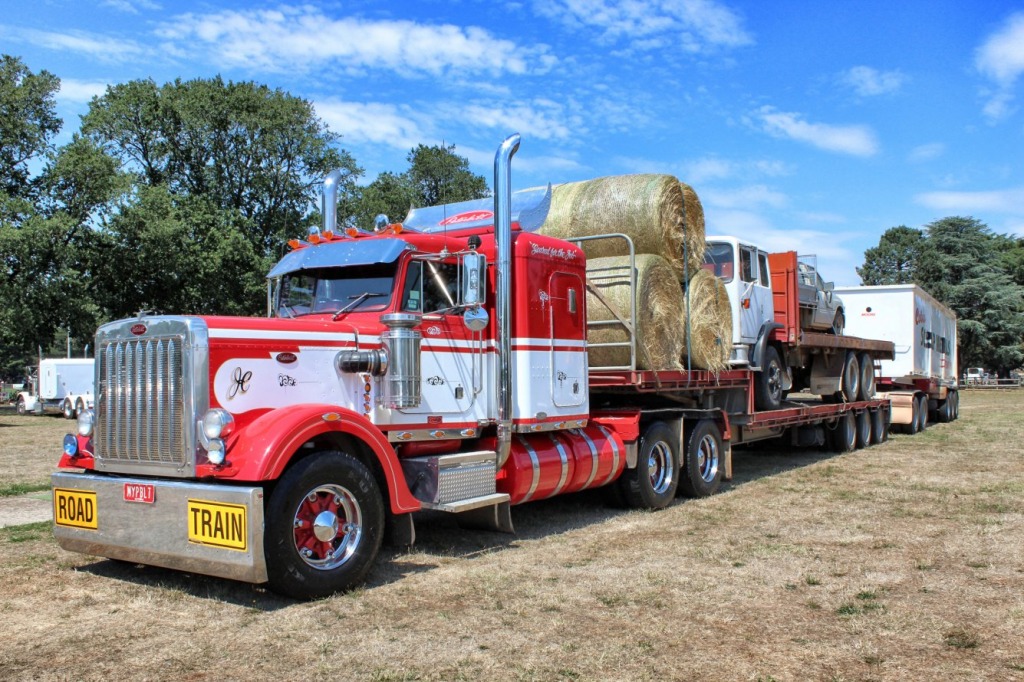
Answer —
141 405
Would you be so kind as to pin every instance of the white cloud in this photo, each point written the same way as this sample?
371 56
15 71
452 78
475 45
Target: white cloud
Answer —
1009 201
693 25
926 152
99 47
130 6
541 119
868 82
80 92
302 38
1001 59
372 122
752 196
858 140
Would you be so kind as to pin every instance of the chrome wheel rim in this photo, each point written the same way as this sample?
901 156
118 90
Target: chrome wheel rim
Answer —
707 458
660 467
328 526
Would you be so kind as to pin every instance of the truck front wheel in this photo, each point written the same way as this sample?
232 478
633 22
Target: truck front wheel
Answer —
21 405
702 460
324 525
653 482
768 389
69 409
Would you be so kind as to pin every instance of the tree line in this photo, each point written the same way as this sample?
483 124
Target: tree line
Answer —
172 198
977 273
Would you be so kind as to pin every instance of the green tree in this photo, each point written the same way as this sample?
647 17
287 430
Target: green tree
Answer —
440 176
28 122
391 194
251 150
959 265
894 259
1011 256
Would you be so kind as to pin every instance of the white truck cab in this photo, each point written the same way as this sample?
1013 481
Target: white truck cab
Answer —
743 268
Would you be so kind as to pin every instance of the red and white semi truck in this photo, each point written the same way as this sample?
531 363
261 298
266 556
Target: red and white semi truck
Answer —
921 378
440 364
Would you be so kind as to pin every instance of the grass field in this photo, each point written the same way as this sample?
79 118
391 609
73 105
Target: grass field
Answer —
902 561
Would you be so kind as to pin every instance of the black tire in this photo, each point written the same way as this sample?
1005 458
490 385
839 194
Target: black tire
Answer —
21 405
864 430
329 492
867 377
652 483
843 435
915 419
68 409
879 426
956 405
839 323
944 413
922 413
703 460
768 382
850 384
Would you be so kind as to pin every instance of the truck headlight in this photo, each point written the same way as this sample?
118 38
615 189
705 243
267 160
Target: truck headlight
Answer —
216 421
86 420
70 445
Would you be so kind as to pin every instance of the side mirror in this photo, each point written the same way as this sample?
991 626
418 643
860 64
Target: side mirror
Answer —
828 286
474 278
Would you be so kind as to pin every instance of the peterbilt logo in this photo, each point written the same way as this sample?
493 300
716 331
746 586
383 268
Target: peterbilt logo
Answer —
434 330
286 358
467 217
138 329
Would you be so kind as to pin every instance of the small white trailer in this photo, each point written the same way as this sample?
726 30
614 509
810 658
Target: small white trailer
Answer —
60 386
921 380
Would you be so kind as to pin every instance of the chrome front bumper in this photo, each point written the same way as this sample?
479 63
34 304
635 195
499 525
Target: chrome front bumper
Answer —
157 533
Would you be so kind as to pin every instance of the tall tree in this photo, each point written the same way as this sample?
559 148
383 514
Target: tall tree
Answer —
894 259
390 194
959 265
251 150
28 122
440 176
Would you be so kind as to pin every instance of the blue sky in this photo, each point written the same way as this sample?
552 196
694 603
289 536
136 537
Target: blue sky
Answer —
803 125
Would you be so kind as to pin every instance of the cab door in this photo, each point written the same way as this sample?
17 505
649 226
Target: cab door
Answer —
755 304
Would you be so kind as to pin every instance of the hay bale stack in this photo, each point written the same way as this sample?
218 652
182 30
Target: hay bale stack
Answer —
659 310
710 324
693 229
647 208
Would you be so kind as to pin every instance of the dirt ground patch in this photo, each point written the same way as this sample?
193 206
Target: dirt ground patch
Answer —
902 561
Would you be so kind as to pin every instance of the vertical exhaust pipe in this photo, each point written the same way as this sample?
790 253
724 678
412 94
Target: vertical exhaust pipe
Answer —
503 295
329 201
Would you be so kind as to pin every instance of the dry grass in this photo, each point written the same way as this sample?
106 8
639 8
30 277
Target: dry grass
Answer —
29 449
904 561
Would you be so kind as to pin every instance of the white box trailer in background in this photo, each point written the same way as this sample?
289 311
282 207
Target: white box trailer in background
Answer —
921 380
60 385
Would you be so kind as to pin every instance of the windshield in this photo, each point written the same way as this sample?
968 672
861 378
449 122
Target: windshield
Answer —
718 259
362 288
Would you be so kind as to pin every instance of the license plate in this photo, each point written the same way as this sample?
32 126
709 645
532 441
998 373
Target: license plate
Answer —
75 508
218 523
140 492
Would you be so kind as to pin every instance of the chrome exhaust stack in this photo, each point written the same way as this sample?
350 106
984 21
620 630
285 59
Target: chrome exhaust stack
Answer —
503 294
329 201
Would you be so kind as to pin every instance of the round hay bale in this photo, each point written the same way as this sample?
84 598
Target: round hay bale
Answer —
647 208
710 323
693 230
659 309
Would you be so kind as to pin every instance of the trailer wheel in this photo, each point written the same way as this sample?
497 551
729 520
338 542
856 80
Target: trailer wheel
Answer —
21 404
867 376
702 460
768 382
864 431
653 482
956 405
915 418
68 409
922 413
851 378
944 413
324 525
843 436
879 426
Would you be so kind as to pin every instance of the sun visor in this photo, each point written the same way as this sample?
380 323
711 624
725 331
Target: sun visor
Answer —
529 210
340 254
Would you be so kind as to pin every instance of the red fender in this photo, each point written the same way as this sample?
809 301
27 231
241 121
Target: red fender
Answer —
262 450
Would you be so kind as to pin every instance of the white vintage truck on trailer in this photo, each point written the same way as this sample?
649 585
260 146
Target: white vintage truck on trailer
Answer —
921 380
60 385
